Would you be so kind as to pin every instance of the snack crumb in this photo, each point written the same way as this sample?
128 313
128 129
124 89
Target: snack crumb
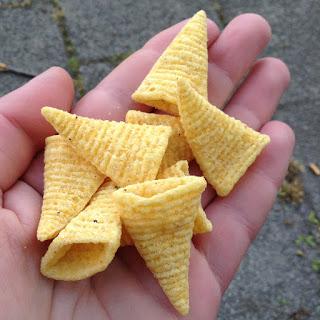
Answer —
314 168
3 67
300 253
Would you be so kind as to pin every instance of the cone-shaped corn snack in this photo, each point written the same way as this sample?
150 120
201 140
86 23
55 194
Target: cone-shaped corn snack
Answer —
126 153
88 243
69 183
201 224
179 169
159 216
223 146
186 57
178 148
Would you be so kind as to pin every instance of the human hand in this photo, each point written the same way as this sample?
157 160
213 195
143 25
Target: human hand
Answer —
127 289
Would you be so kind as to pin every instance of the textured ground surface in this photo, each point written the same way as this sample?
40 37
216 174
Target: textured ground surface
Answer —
276 280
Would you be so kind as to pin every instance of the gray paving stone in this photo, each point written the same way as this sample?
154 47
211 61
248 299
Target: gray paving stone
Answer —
304 118
273 282
9 82
103 28
93 73
30 40
295 38
271 274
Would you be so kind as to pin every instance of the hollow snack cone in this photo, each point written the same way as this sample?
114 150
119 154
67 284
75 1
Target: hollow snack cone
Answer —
179 169
88 243
201 224
185 57
126 153
178 148
69 183
223 147
159 216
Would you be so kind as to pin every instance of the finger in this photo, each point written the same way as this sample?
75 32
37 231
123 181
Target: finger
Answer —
233 53
121 292
257 99
34 175
163 38
26 203
204 288
21 120
53 87
205 293
111 99
134 262
15 153
238 217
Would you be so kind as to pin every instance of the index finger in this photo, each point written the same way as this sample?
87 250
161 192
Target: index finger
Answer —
22 129
111 98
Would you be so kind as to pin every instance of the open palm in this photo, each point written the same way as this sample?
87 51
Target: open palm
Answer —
127 289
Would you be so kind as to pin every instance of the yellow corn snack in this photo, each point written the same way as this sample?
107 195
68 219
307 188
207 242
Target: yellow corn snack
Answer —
223 146
201 224
159 216
69 183
126 153
186 57
179 169
178 148
88 243
125 238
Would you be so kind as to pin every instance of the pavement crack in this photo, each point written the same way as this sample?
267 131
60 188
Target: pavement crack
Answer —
112 60
73 64
4 68
220 12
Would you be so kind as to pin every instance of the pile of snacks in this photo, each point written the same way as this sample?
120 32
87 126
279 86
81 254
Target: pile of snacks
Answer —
110 183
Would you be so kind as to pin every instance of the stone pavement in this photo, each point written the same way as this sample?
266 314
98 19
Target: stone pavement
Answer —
276 280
